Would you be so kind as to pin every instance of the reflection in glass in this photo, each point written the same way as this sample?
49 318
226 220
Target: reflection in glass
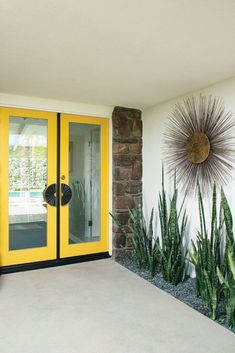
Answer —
84 177
27 179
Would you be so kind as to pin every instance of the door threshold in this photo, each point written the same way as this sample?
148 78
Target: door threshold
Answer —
52 263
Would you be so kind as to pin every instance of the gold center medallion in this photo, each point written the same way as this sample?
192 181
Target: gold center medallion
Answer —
198 147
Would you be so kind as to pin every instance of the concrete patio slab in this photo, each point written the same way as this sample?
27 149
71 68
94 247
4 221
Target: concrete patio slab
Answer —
100 307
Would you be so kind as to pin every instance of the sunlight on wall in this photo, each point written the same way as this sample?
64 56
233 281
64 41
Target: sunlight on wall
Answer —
154 120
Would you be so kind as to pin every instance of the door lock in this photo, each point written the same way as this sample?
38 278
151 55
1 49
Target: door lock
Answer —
62 177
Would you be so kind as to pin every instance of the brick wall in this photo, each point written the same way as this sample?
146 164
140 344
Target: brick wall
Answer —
127 169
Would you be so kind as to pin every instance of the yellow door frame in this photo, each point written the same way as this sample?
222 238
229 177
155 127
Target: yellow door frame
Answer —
66 249
48 252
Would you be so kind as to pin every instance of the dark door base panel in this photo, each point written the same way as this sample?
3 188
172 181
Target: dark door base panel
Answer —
52 263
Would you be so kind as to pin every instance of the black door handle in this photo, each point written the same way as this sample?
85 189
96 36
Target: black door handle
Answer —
49 194
66 194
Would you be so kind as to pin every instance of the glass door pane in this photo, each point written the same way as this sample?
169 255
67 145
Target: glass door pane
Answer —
84 168
28 145
28 152
84 180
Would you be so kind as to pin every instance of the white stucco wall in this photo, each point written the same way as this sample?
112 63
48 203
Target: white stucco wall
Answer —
154 120
17 101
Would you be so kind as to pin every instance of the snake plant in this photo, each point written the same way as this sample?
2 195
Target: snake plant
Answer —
143 242
229 288
172 248
227 274
228 220
206 255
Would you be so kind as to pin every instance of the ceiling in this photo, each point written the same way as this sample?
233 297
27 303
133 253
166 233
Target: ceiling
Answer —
115 52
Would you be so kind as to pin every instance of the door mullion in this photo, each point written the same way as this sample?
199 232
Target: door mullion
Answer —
58 189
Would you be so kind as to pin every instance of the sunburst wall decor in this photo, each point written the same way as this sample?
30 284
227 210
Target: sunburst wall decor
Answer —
199 143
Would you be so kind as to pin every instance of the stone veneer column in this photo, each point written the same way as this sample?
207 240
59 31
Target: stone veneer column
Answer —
127 169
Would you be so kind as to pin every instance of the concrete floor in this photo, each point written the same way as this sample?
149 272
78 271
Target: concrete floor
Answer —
100 307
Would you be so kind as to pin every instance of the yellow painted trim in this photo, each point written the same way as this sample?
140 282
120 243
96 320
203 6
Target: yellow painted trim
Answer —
67 249
29 255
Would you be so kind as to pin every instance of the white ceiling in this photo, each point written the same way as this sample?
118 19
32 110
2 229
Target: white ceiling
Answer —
115 52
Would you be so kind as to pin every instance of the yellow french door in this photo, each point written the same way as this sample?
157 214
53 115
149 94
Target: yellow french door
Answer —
53 189
27 164
83 178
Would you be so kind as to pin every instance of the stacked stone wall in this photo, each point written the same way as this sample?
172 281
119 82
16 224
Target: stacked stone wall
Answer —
127 170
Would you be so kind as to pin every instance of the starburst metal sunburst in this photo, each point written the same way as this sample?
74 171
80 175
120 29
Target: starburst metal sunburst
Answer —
199 143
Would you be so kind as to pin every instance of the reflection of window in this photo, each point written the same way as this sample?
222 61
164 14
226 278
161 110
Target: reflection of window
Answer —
27 154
